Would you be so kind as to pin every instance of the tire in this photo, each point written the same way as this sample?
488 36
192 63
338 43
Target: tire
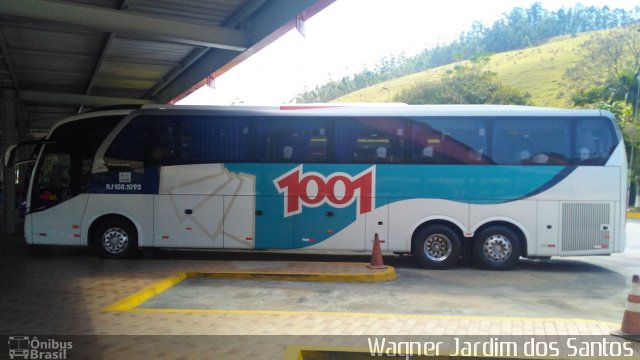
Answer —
497 248
116 239
437 246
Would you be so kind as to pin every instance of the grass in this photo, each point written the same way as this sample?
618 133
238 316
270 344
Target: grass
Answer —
537 70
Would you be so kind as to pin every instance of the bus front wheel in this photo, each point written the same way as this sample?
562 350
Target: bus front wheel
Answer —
437 246
116 239
497 248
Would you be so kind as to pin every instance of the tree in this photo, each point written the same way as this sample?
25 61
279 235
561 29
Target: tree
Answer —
468 84
608 56
618 95
517 29
616 87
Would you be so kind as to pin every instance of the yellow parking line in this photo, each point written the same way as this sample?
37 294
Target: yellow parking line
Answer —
130 302
297 352
386 275
147 293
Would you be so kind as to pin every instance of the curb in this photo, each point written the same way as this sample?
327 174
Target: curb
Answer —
387 275
130 302
633 215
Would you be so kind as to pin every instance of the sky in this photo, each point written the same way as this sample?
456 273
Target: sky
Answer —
351 35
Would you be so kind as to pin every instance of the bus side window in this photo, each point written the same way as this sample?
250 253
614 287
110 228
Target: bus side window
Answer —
162 144
449 141
277 141
318 150
292 140
234 140
531 141
594 142
345 137
369 140
127 149
510 146
214 140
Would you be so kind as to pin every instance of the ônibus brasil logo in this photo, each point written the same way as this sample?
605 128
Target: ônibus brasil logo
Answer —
313 189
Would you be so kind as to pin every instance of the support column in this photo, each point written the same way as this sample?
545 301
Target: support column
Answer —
9 119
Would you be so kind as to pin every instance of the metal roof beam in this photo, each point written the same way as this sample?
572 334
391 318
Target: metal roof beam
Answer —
96 69
140 61
250 7
49 54
103 54
270 21
4 50
124 23
77 100
23 118
66 74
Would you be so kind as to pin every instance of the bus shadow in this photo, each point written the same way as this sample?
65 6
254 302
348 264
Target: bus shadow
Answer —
250 255
555 265
14 246
563 265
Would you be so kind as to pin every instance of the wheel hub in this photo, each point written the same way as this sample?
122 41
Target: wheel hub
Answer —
497 248
437 247
115 240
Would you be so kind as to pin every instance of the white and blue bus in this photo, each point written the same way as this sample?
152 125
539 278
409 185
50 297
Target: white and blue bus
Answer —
440 182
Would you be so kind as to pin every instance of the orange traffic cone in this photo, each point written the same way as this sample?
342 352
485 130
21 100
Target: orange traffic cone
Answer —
631 320
376 254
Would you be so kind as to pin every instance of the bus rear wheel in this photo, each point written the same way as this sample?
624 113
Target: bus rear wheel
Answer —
497 248
437 246
116 239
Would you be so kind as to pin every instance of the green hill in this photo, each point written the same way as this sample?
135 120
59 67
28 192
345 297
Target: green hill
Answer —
537 70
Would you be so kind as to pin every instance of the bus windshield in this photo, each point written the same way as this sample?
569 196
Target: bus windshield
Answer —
66 160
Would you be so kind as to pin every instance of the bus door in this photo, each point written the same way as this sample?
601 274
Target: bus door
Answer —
61 174
204 206
189 209
190 221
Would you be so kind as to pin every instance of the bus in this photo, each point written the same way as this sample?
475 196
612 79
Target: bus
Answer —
441 182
